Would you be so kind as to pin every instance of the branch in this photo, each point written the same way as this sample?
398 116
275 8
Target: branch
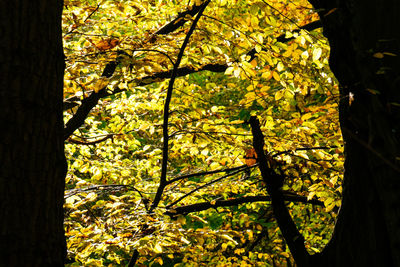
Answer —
78 142
282 38
216 67
207 173
79 118
134 258
202 186
234 202
303 148
163 178
111 187
273 183
183 71
91 101
180 20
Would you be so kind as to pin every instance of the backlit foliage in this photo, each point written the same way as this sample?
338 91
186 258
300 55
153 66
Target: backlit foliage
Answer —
244 58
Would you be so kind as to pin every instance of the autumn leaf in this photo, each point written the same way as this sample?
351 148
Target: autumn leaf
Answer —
105 44
250 157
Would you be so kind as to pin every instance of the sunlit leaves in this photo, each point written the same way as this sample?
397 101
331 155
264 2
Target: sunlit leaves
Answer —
111 184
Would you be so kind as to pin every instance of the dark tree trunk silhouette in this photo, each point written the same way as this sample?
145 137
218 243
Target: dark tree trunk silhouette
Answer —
365 57
32 158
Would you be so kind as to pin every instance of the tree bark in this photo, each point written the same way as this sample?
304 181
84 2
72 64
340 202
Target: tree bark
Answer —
33 165
365 53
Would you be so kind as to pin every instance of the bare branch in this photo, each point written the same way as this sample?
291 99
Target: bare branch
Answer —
203 186
234 202
109 187
243 167
180 20
164 164
301 149
79 142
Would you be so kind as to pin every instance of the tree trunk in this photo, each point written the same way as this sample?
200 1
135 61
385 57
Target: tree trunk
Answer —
32 158
365 57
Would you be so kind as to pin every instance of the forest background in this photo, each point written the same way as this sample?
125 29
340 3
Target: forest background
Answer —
159 96
264 59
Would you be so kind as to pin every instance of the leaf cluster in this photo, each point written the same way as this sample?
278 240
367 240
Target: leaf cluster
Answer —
244 58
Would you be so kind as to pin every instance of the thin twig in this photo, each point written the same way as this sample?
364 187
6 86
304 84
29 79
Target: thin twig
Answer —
164 164
236 201
202 186
207 173
303 148
79 142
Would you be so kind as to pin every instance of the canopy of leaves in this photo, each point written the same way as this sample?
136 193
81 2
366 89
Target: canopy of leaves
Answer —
244 58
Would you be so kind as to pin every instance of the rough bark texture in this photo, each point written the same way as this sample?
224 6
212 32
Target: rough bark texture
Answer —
32 158
364 35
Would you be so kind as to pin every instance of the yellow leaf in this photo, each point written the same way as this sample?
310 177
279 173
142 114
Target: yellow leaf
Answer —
181 219
280 67
229 70
100 84
250 234
304 54
97 174
184 240
159 261
389 54
272 20
306 116
317 53
311 195
236 72
285 254
378 55
158 248
91 196
266 75
227 237
330 207
276 76
278 95
239 251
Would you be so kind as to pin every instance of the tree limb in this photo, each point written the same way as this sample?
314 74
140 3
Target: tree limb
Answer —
234 202
79 142
282 38
243 167
179 21
204 185
273 182
163 177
